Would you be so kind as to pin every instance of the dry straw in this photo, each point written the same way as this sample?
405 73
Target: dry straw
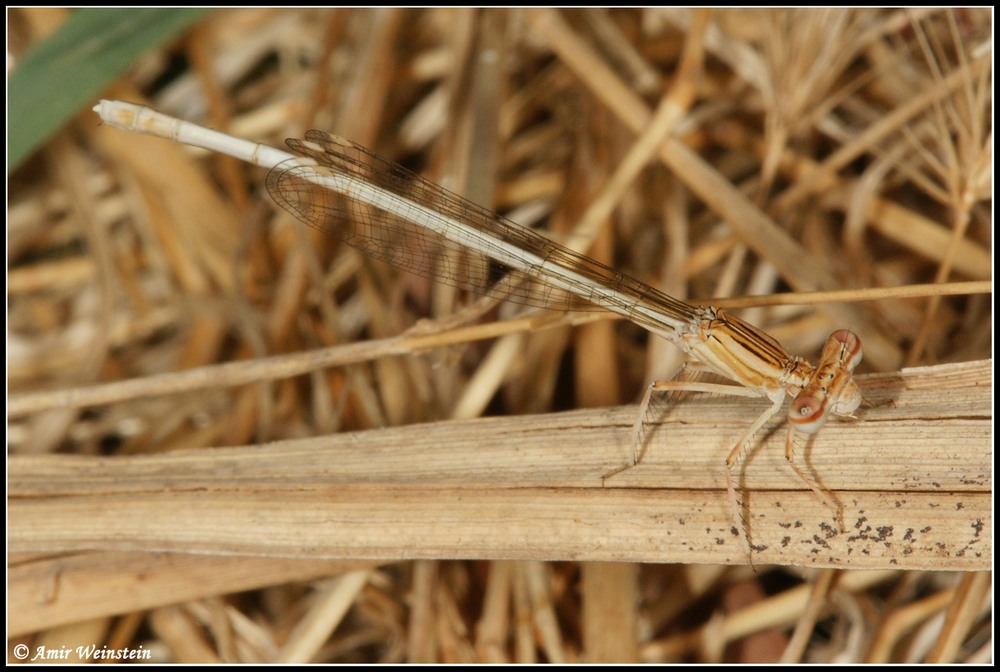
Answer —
229 438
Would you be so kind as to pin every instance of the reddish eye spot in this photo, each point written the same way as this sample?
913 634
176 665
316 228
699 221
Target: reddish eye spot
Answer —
851 347
807 413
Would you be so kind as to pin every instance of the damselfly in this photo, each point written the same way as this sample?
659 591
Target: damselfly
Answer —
345 190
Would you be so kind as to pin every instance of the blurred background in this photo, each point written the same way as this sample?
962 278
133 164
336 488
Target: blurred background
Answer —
864 137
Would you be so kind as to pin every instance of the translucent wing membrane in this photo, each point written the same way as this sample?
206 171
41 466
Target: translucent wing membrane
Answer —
397 216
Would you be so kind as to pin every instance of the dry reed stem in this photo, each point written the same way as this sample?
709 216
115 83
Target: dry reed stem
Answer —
922 503
47 591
